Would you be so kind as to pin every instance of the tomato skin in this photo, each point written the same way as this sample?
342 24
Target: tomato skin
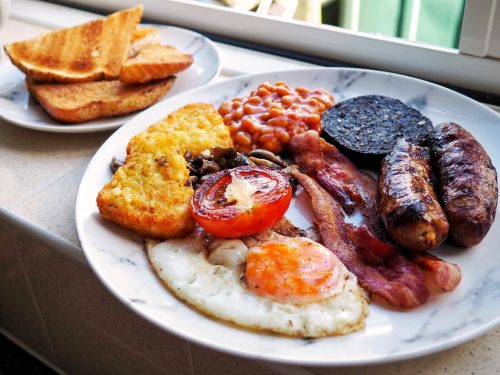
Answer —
224 219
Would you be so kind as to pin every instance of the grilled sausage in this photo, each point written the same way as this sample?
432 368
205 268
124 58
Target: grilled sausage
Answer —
406 200
468 183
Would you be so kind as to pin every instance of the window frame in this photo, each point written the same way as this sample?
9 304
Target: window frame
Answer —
481 29
464 68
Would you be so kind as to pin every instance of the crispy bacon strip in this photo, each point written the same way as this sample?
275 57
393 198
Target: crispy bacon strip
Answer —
325 162
375 250
395 279
446 275
339 176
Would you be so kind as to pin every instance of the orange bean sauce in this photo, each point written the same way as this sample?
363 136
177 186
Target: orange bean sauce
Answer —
272 114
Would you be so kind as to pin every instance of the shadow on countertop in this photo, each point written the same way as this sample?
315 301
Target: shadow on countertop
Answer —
14 360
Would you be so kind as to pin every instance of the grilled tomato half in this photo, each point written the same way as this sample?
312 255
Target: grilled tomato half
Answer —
241 201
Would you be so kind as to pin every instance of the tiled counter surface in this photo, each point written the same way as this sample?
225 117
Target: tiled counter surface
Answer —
52 304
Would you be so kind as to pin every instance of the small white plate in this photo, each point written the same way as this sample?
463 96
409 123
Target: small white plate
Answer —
17 107
446 320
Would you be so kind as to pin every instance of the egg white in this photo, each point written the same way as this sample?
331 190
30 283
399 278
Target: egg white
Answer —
209 279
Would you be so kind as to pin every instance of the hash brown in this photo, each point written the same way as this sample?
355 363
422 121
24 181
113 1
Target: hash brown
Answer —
196 126
151 193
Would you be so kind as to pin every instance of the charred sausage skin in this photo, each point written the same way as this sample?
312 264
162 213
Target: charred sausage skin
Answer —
406 200
467 182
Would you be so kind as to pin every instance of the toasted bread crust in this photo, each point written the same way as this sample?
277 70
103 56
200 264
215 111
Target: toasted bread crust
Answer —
150 193
142 37
141 32
88 52
154 62
80 102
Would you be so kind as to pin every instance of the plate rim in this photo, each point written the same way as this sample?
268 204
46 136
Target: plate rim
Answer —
249 354
112 123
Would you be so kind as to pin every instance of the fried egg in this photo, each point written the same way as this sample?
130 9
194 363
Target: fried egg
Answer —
291 286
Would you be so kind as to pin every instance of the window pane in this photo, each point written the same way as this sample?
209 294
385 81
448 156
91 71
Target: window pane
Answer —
330 45
425 21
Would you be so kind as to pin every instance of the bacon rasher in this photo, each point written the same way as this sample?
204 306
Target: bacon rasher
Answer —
350 186
446 275
353 188
392 277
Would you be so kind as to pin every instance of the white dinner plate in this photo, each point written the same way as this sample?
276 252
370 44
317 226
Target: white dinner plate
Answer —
17 107
446 320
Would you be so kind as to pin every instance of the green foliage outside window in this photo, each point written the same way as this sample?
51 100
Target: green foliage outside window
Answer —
439 21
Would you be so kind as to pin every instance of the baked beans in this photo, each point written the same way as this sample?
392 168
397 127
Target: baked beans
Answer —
272 114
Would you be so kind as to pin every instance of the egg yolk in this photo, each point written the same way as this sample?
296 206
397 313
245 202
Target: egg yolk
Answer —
294 270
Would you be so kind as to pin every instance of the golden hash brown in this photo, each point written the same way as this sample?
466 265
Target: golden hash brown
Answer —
150 193
195 127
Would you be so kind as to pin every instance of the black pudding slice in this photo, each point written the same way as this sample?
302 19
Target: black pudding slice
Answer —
366 128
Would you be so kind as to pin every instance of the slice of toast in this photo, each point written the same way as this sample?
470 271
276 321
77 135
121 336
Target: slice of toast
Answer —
154 62
85 101
88 52
142 37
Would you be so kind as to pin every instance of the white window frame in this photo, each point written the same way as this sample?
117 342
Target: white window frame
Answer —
473 66
481 29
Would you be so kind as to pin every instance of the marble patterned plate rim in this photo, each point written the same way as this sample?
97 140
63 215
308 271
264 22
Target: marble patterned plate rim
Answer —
84 210
113 123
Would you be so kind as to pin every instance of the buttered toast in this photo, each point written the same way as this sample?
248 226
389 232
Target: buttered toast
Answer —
151 192
154 62
88 52
80 102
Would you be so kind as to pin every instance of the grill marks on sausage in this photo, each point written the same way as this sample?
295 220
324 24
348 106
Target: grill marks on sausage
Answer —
468 183
407 202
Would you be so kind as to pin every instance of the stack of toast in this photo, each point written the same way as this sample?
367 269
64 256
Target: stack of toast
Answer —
102 68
